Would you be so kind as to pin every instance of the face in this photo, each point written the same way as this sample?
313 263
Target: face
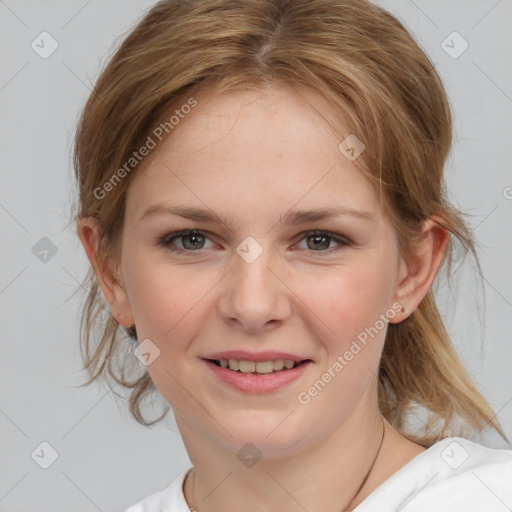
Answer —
261 277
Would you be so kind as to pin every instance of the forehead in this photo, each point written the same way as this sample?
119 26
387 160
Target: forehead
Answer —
263 150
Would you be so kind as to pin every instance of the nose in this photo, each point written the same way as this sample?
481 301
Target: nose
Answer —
255 297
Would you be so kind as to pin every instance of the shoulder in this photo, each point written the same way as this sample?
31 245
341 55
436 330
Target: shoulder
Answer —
457 457
170 499
453 475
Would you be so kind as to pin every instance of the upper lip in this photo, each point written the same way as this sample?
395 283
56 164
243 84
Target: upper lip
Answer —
244 355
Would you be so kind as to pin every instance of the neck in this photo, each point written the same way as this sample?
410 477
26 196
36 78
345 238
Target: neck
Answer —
324 476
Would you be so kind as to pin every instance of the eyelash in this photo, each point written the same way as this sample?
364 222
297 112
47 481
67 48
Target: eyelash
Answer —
167 239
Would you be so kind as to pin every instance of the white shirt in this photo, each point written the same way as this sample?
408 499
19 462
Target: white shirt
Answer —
452 475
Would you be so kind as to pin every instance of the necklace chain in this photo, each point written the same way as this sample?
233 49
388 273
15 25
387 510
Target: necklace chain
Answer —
193 509
371 467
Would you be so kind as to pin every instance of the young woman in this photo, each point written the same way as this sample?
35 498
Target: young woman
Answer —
261 199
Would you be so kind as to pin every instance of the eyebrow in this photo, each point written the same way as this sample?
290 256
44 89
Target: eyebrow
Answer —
290 218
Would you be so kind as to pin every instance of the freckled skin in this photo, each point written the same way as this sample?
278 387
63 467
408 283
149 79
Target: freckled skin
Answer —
256 150
251 157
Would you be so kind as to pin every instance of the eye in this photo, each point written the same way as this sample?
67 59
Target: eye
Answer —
191 240
194 240
319 241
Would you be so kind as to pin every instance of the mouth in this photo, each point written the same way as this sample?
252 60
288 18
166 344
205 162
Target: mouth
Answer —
257 377
258 367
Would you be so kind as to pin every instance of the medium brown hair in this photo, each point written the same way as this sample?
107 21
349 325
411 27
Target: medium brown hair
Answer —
364 62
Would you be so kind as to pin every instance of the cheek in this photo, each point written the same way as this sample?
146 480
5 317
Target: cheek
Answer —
343 314
169 307
161 297
349 299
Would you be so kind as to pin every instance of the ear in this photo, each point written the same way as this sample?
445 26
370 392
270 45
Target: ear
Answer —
416 275
113 290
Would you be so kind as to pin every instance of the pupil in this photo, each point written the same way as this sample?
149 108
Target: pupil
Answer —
193 237
319 238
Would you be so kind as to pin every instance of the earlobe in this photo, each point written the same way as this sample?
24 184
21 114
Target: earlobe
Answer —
113 291
417 275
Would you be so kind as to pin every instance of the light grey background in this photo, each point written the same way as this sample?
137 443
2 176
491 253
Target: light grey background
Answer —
106 461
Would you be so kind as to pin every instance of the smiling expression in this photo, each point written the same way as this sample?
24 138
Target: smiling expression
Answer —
290 252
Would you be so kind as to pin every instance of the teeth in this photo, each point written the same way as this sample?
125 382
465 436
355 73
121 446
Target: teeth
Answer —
234 364
278 364
246 366
264 367
258 367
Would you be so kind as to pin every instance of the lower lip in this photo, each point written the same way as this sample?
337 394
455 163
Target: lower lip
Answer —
258 384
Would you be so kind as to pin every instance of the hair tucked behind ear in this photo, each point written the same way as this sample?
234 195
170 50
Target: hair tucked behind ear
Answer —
381 86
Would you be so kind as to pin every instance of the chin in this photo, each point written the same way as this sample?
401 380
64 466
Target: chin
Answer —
272 438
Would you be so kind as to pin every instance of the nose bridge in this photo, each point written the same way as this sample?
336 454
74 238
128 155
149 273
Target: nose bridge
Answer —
255 294
253 263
